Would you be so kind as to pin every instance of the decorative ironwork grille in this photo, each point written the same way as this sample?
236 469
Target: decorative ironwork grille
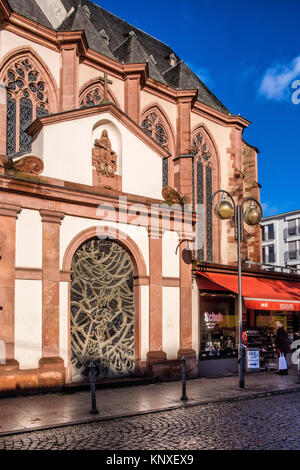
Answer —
27 98
102 308
154 127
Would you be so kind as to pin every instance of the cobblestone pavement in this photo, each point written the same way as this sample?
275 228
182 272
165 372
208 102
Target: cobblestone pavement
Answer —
262 423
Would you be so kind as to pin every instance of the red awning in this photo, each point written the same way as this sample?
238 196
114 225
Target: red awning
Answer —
258 293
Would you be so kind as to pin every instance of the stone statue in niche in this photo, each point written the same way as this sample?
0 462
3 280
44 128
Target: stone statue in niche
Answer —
104 158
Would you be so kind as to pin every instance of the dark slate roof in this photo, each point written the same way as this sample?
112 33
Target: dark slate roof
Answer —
182 77
31 10
78 21
124 46
132 52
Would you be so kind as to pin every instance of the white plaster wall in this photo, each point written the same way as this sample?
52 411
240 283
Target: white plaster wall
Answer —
71 226
29 239
71 160
64 321
28 323
170 261
144 322
10 41
171 325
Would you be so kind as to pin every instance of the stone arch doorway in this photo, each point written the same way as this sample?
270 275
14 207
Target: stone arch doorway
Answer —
102 317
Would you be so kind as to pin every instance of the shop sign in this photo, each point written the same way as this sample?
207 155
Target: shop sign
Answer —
253 362
212 318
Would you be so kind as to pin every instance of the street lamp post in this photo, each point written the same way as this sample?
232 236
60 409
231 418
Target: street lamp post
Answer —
227 210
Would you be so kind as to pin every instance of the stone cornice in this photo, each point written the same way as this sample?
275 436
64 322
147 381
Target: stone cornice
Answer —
219 117
32 193
38 124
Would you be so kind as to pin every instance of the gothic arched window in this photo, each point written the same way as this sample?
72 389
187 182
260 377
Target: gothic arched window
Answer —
203 152
92 97
153 125
27 99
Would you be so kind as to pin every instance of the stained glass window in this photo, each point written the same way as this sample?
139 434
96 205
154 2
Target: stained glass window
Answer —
165 172
92 98
11 125
26 112
27 98
202 151
209 235
154 127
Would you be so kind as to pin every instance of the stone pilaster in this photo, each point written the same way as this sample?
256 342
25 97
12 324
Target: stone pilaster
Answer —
156 353
132 97
183 163
69 77
186 317
51 275
8 216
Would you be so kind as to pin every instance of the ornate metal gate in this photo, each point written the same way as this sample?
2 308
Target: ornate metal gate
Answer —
102 308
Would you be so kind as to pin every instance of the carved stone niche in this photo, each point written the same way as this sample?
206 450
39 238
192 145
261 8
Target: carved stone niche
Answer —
104 161
25 164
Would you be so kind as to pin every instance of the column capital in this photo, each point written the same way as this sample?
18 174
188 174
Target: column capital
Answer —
9 210
52 216
155 232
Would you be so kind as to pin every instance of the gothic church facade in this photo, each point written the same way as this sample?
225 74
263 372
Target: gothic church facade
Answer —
96 118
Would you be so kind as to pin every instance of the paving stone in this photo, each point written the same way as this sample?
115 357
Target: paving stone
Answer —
259 424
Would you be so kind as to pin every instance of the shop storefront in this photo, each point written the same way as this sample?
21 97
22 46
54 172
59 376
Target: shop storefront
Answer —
267 297
260 332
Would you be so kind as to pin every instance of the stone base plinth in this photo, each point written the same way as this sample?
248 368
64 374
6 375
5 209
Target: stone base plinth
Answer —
50 374
156 356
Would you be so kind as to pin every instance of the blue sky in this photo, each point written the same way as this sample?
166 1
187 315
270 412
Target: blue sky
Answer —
248 54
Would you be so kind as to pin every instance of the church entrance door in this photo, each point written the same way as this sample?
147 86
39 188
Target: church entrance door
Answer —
102 309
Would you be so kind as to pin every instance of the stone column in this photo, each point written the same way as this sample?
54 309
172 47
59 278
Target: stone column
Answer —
156 353
69 91
132 97
186 316
51 276
8 216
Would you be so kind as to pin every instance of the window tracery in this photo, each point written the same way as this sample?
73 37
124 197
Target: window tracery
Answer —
152 124
27 99
203 189
92 97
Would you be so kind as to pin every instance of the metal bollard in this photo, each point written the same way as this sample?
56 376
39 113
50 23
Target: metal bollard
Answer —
183 396
92 367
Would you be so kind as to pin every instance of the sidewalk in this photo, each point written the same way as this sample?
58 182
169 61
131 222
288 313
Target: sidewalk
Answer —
54 410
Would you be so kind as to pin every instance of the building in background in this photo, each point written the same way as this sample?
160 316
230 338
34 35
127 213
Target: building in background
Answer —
281 239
